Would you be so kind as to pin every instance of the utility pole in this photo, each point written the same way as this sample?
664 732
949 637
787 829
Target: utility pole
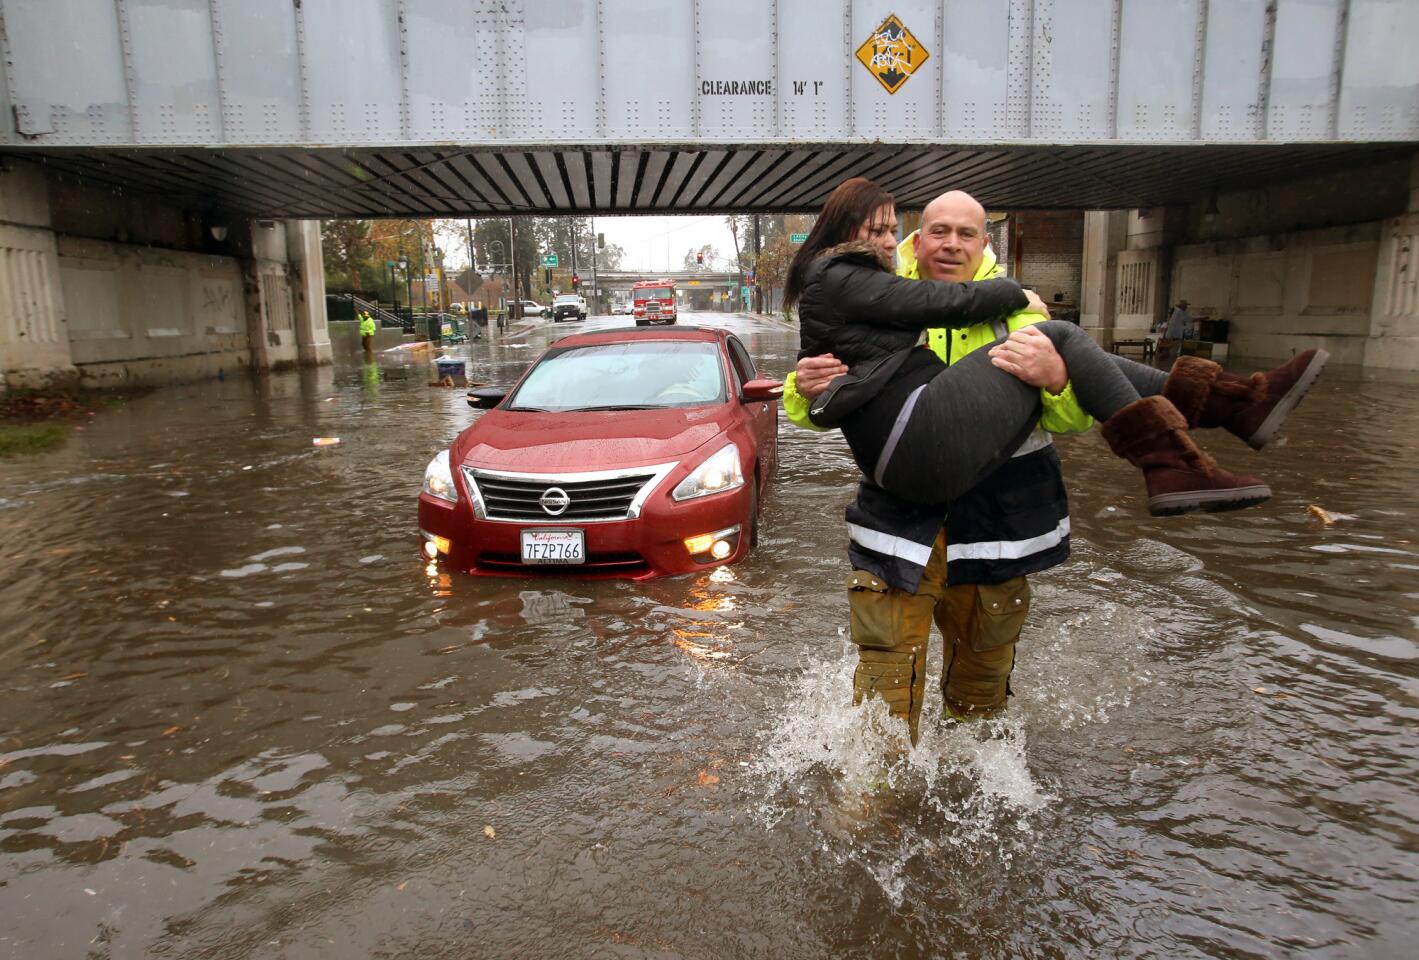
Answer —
758 293
516 294
595 291
472 263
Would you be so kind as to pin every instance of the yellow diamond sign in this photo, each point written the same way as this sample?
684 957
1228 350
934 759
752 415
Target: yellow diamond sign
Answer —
892 54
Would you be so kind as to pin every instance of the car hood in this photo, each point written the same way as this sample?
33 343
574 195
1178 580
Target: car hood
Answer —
581 442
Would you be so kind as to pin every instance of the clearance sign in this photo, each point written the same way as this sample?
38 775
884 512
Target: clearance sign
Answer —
892 54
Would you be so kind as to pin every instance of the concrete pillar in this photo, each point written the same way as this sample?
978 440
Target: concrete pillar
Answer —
1143 276
1394 308
307 280
1105 235
34 333
270 313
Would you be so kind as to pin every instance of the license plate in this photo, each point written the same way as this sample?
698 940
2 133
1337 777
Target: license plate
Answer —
553 546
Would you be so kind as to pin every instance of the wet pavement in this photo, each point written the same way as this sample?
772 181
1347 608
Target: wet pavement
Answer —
239 717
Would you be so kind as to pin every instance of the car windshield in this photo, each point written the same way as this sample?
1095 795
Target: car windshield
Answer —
658 293
642 375
567 298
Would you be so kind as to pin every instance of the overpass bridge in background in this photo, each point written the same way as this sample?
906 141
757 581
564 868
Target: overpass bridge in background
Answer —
698 289
134 126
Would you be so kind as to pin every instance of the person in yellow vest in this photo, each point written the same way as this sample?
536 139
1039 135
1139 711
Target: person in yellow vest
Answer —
966 571
969 576
367 328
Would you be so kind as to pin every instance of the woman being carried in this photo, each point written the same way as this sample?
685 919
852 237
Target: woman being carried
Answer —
928 432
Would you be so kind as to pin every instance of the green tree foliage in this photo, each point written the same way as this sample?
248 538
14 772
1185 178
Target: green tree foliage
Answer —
704 258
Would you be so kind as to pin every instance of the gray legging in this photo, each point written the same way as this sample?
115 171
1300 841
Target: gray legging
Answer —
972 416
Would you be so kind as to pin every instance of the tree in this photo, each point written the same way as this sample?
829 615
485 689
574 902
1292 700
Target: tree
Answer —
347 252
701 258
610 256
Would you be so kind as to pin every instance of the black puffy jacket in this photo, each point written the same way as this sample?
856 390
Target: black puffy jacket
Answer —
856 309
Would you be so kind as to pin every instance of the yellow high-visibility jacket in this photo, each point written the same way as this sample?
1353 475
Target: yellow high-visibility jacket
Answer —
1062 413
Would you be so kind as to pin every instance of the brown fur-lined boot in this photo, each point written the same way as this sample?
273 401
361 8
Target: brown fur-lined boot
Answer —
1152 435
1252 407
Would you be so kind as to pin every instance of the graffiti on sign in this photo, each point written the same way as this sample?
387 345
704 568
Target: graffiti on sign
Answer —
892 54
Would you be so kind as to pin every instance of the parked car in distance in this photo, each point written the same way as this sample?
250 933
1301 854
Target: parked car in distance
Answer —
531 308
619 453
568 306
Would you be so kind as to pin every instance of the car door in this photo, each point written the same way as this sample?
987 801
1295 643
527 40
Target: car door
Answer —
762 415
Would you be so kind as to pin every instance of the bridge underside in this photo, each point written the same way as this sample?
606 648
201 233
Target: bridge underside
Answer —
456 181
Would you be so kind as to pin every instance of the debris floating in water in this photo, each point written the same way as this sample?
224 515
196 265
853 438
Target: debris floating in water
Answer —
1322 514
324 441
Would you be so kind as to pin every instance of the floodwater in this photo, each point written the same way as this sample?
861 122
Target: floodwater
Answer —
239 717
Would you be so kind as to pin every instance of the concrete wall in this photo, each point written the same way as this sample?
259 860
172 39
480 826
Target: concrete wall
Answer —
1285 292
1305 263
34 336
150 316
109 289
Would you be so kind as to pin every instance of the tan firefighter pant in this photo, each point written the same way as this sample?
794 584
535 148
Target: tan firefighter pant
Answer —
980 626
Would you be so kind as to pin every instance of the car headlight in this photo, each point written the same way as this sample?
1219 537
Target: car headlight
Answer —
719 473
438 479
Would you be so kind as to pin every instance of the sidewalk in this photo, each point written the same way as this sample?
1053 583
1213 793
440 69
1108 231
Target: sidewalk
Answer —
774 318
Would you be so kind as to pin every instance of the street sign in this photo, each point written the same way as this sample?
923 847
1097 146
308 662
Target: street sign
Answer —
549 260
797 237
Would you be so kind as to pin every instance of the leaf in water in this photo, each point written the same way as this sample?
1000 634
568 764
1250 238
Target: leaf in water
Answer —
1321 514
171 730
708 779
1258 690
489 832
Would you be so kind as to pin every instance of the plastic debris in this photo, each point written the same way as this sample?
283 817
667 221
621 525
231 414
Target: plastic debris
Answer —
325 441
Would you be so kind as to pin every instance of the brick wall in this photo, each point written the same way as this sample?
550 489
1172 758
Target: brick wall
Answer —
1046 252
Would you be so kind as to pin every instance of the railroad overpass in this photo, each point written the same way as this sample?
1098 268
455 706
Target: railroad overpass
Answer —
697 289
178 151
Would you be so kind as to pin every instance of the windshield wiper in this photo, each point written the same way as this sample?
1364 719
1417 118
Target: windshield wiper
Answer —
617 406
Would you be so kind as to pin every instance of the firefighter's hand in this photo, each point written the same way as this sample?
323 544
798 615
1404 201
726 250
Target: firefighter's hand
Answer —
814 373
1030 355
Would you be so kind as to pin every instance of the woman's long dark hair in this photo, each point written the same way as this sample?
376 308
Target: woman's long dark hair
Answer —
848 207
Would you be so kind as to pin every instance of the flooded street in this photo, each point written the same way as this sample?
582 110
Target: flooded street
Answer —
240 717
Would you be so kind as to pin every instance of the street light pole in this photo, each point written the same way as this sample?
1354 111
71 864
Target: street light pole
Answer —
408 286
595 291
516 296
468 225
758 293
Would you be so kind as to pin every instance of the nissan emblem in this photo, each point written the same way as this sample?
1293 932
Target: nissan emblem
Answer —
555 501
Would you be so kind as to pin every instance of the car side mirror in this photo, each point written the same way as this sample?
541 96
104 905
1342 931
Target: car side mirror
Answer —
485 398
756 390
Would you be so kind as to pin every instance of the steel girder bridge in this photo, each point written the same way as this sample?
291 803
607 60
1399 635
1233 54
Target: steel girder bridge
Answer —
394 108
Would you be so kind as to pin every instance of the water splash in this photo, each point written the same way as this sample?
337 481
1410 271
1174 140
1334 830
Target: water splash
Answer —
965 793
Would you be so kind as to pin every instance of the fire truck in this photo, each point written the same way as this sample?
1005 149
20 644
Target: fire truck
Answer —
653 301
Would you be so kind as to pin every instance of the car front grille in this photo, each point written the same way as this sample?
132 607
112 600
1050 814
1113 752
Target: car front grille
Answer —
620 563
612 495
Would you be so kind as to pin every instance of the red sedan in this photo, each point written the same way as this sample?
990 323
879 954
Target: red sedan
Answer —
625 453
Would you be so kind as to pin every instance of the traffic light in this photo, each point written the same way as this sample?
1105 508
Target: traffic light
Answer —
576 282
700 257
